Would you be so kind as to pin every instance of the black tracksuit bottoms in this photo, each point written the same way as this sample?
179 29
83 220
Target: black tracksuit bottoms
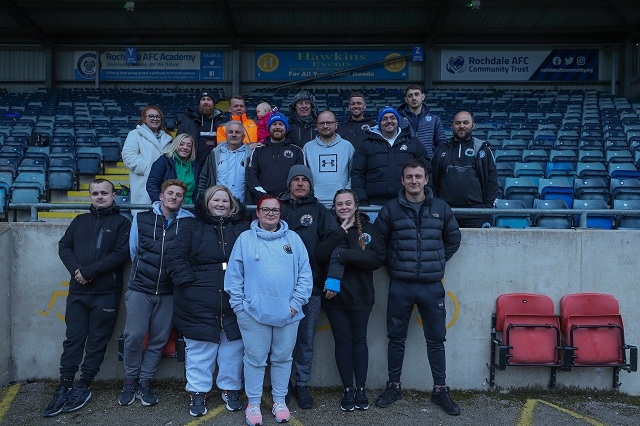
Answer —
90 320
430 300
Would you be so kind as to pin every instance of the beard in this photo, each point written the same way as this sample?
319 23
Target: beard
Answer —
206 110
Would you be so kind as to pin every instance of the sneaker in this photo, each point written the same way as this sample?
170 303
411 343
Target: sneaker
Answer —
232 398
440 397
128 394
281 412
305 401
60 397
78 398
362 402
145 394
253 415
348 399
391 394
198 405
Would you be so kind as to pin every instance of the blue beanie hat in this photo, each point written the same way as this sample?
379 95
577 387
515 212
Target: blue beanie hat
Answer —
278 117
387 110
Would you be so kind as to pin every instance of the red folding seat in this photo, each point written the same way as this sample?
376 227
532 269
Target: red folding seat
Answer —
594 333
525 332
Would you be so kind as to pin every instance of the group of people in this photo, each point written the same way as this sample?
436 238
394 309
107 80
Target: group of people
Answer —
246 293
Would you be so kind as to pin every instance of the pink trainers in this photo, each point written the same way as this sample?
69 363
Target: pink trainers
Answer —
281 412
253 415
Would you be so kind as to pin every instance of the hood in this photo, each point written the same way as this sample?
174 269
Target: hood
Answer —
319 142
182 213
285 197
112 209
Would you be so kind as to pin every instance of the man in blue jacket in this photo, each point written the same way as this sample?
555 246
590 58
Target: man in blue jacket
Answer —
94 251
421 234
422 124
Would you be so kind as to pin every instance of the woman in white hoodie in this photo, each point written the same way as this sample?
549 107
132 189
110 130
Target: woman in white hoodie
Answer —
143 146
268 280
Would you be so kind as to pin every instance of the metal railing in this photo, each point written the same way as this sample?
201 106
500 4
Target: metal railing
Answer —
34 208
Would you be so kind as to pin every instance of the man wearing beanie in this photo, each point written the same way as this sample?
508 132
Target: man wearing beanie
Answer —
202 124
303 115
422 124
464 172
307 217
379 159
269 164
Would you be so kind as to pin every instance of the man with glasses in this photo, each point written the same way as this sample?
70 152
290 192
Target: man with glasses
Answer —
423 125
202 124
329 158
378 161
307 217
238 112
227 163
270 163
355 127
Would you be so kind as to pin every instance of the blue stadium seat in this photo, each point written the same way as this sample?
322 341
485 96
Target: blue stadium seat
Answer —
28 187
111 147
61 173
623 170
551 220
89 160
521 189
625 189
511 220
627 221
592 188
593 220
585 170
556 188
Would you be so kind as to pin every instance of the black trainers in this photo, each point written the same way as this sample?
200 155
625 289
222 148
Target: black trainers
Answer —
440 397
128 394
78 398
362 402
144 393
348 401
198 405
305 400
60 397
391 394
232 398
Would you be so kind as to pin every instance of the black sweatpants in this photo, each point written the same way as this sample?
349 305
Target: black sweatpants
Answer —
430 300
90 320
349 328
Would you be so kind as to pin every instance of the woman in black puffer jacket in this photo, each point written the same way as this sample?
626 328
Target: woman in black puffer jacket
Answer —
196 262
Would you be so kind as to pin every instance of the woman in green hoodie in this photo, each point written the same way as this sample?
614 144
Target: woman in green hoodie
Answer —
178 163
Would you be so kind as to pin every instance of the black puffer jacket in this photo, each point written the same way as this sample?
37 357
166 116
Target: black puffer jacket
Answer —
377 166
196 265
97 243
300 131
418 245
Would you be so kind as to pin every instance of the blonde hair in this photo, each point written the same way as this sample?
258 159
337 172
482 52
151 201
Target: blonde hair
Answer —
208 195
265 106
176 143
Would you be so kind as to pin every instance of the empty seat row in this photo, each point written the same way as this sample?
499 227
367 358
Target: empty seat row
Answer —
589 332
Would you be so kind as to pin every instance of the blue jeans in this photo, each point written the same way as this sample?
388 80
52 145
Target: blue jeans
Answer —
303 353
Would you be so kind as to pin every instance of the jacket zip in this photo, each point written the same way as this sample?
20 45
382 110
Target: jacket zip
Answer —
224 257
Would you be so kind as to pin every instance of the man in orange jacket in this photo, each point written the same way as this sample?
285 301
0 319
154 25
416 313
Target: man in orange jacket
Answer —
238 112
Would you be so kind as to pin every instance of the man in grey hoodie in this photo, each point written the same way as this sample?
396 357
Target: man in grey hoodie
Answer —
329 159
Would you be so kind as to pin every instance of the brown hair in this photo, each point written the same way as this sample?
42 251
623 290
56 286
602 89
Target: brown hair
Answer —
99 181
143 114
208 195
357 213
412 87
174 182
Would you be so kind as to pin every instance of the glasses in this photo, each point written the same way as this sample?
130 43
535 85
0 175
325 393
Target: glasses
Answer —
154 117
326 123
266 210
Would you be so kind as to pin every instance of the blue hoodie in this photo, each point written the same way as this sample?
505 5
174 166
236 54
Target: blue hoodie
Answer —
269 273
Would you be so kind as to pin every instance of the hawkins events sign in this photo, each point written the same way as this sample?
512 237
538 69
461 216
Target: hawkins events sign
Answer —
337 64
535 65
150 65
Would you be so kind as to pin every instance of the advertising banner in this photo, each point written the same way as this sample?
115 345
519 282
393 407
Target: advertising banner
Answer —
336 64
519 65
150 65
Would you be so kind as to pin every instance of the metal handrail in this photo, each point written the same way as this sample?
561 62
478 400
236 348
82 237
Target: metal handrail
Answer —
583 214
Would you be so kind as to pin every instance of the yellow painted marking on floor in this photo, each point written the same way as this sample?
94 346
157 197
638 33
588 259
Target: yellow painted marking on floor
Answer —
210 414
5 404
578 416
323 327
526 417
